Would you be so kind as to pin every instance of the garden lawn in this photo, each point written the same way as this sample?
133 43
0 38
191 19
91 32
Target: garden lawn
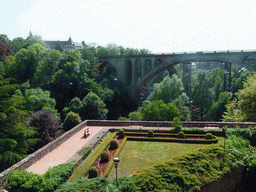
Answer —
139 154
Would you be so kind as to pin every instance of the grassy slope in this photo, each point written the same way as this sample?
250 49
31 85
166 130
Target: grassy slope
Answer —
137 155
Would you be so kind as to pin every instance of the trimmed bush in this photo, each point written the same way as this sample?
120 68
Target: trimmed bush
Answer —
181 135
113 144
121 133
104 157
150 133
208 136
93 172
177 129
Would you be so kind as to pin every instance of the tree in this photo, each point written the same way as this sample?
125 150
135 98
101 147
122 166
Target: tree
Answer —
219 107
168 90
17 44
202 96
93 107
5 50
244 105
48 127
16 138
32 39
37 99
72 119
159 111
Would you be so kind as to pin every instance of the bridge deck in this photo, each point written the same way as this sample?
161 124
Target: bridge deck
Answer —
64 152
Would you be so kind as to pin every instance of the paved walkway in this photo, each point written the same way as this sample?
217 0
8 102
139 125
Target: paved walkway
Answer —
64 152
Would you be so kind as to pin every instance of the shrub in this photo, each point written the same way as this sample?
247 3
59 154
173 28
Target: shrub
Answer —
121 133
113 144
177 129
176 122
181 135
104 157
93 172
208 136
150 133
72 119
159 111
135 116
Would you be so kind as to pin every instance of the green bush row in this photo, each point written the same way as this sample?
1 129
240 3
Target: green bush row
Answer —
111 162
163 134
24 181
194 141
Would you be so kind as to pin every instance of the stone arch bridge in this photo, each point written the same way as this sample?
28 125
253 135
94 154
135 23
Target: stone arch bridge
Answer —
138 72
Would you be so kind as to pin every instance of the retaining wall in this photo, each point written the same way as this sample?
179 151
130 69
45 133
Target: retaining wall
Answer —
28 161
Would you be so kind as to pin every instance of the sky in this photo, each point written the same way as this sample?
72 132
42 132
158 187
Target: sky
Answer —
159 26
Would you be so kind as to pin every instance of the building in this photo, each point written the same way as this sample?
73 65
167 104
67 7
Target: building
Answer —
69 44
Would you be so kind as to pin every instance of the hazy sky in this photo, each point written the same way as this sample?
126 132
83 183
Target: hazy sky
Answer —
160 26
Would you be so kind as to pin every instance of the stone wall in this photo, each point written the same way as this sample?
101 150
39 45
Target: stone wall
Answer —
113 123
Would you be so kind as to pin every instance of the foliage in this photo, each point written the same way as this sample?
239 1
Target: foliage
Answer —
99 184
113 144
159 111
184 110
135 116
48 126
188 172
5 50
17 44
16 138
93 172
72 119
121 133
218 108
202 96
208 136
104 157
21 180
181 135
177 129
37 99
243 107
168 90
150 133
176 122
93 107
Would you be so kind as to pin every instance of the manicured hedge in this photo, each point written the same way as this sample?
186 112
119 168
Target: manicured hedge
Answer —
111 162
195 141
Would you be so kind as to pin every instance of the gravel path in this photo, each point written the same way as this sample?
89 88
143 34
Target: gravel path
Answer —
64 152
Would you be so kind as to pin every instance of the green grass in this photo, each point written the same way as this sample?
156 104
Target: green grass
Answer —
139 154
84 167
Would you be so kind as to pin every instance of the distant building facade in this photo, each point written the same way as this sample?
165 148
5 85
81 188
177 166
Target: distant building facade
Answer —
69 44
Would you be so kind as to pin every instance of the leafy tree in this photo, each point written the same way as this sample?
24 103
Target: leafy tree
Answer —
32 39
244 107
93 107
16 138
5 50
17 44
4 38
48 68
37 99
59 47
219 107
74 105
48 127
202 96
72 119
168 90
159 111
